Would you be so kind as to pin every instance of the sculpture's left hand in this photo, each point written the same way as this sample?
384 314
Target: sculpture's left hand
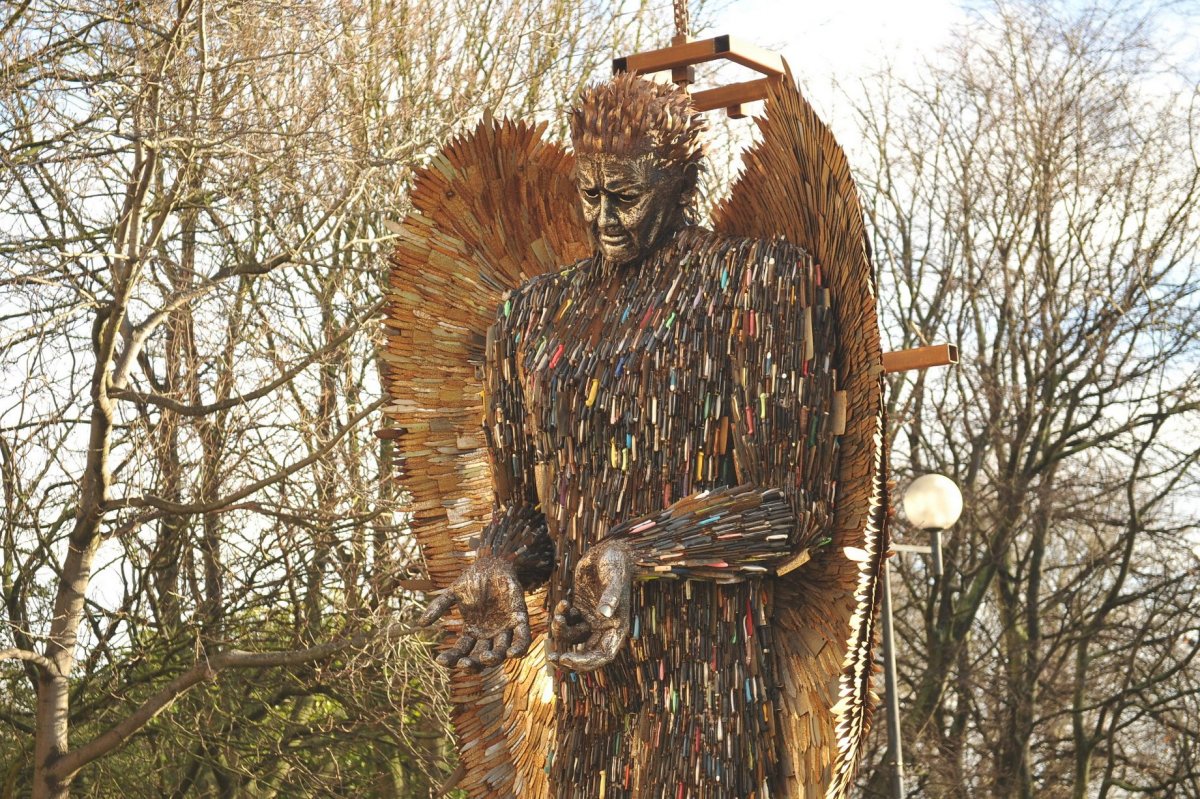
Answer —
603 584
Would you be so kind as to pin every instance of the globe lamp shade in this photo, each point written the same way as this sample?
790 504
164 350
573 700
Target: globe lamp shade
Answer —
933 502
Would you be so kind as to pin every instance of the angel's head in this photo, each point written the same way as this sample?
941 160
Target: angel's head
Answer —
638 155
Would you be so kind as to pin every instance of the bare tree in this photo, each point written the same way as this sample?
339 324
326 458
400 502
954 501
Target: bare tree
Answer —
188 311
1036 201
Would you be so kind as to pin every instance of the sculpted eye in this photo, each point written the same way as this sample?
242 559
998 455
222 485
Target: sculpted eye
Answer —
627 199
590 193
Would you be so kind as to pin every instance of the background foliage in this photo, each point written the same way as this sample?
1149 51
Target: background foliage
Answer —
1034 199
192 217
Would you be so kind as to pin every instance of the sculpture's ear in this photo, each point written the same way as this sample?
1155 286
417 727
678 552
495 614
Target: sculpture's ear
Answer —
690 184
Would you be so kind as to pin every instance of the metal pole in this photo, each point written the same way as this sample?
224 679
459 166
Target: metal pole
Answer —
935 549
895 750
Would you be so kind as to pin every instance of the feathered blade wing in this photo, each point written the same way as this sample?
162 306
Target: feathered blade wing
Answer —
493 209
796 184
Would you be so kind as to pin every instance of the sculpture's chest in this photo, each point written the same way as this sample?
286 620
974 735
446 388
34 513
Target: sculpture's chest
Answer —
612 371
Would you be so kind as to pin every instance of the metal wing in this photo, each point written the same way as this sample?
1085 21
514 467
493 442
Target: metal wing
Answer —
796 184
494 208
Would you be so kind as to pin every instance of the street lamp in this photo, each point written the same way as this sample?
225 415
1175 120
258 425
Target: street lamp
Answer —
932 503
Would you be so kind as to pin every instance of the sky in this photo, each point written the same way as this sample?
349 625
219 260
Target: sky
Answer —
829 45
833 47
844 41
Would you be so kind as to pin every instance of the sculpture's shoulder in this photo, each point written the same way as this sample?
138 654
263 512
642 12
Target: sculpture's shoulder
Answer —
730 257
539 291
548 281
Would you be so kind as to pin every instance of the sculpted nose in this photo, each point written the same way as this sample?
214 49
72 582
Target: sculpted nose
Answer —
608 212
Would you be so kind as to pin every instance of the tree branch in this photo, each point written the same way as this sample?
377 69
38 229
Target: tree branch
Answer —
167 506
184 409
41 661
65 767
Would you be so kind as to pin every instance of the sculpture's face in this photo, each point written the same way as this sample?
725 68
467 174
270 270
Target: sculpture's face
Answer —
630 206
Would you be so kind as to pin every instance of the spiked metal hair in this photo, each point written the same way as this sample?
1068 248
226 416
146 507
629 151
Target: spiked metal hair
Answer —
629 115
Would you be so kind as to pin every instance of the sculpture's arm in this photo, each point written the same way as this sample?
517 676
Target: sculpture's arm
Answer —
518 532
725 534
515 552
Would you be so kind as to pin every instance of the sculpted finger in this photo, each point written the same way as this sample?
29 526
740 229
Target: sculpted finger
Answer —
521 637
568 625
472 662
452 655
498 650
587 660
599 651
616 593
437 608
558 621
610 642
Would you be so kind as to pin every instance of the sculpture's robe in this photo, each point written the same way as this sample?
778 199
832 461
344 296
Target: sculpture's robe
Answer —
611 395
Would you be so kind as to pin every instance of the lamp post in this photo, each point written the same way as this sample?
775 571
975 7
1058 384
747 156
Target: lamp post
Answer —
932 503
895 751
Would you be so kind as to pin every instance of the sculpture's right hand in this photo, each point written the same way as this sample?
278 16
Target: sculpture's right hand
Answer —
495 620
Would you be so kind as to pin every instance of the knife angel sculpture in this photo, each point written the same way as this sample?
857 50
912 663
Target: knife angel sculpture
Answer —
645 459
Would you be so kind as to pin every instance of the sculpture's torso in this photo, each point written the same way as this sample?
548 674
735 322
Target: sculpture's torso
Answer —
632 386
